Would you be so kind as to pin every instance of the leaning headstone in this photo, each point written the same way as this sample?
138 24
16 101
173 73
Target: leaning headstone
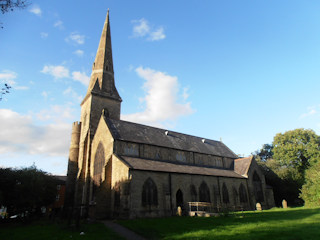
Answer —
179 211
258 207
284 203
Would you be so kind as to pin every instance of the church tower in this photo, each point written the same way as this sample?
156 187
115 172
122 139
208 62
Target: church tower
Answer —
102 95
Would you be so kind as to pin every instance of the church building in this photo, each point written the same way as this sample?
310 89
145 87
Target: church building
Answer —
124 169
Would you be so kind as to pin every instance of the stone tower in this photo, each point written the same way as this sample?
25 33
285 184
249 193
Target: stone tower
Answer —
102 95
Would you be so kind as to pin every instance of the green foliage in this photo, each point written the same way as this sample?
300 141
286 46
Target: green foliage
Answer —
26 189
294 151
265 152
310 191
297 223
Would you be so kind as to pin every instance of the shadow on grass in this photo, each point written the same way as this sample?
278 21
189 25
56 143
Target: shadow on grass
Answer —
258 224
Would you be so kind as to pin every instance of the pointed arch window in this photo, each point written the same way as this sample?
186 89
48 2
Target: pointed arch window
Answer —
257 185
235 195
149 193
193 193
99 162
243 194
204 193
225 194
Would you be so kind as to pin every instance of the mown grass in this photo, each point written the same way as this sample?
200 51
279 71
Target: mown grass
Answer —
280 224
46 230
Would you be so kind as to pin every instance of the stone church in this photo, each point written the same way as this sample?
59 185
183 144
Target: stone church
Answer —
124 169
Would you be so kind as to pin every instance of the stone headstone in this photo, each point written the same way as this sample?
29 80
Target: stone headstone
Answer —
179 211
258 207
284 203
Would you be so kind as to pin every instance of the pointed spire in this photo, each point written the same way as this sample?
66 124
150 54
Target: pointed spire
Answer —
102 69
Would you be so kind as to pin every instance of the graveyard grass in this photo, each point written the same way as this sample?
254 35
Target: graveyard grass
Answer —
283 224
48 230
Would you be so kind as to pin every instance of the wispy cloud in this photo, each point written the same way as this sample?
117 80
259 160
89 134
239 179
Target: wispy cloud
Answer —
157 35
162 102
36 10
311 111
44 34
79 53
58 71
70 92
59 24
142 28
7 76
76 38
81 77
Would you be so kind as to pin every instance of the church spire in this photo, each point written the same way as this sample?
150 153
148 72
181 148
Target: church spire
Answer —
102 77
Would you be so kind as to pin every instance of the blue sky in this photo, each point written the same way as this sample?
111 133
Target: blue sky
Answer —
240 71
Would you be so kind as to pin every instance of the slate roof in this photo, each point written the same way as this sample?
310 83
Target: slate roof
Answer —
241 165
158 166
133 132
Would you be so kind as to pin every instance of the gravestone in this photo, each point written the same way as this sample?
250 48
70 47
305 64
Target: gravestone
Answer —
179 211
284 203
258 207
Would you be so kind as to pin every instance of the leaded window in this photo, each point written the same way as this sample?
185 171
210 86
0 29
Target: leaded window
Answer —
149 193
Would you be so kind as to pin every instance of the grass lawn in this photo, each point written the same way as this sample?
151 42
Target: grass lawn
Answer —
276 224
51 231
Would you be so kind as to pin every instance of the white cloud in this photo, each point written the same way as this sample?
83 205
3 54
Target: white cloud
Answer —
56 114
81 77
44 35
311 111
36 10
74 95
161 99
142 28
58 71
59 24
157 35
19 134
76 38
79 53
7 76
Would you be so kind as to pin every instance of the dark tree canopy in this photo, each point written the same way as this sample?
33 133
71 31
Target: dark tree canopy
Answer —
26 189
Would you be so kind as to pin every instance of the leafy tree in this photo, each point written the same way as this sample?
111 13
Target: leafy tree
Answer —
265 152
10 5
310 191
26 189
295 151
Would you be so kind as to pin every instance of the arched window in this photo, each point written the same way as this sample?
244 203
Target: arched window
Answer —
179 198
235 195
225 194
216 195
243 194
149 193
257 185
193 193
204 193
98 165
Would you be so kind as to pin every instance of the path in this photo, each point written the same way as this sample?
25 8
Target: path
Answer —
122 231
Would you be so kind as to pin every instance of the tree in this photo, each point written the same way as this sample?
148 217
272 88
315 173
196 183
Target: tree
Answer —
295 151
10 5
4 90
265 152
310 191
26 189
